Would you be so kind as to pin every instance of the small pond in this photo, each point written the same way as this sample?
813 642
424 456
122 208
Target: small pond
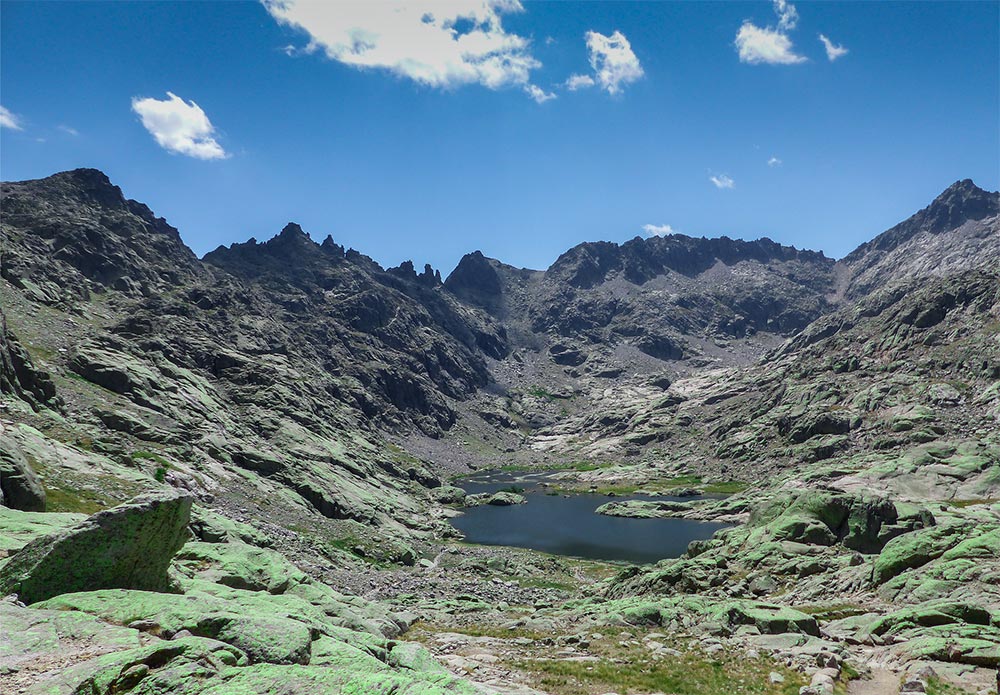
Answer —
567 525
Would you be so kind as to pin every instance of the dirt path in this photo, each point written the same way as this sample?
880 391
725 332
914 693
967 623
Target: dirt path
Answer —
882 682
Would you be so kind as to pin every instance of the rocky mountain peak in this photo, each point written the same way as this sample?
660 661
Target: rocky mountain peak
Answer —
103 239
293 231
961 201
92 184
640 260
476 281
959 230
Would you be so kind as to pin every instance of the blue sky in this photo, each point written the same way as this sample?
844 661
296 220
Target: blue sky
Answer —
385 131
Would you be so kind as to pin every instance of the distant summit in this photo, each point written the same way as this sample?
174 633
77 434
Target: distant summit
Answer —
957 231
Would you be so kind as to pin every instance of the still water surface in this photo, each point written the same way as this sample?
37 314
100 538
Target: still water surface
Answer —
568 525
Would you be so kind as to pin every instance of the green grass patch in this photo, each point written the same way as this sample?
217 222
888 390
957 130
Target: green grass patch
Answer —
81 501
539 583
939 686
961 504
691 673
539 392
162 464
832 611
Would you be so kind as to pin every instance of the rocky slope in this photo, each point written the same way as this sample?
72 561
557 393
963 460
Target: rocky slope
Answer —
311 403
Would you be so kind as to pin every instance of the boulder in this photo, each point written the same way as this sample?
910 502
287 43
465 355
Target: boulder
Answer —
129 546
448 494
506 499
915 550
20 488
826 517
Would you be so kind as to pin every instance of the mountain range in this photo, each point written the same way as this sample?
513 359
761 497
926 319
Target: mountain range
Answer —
303 390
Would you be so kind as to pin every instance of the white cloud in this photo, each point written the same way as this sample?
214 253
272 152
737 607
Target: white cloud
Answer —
722 181
769 44
832 50
179 126
613 61
788 16
774 162
9 120
69 131
764 45
538 94
436 44
576 82
657 229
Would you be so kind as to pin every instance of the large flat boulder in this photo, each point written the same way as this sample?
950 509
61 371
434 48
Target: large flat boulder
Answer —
129 546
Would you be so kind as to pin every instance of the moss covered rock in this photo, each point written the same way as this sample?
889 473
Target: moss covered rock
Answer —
914 550
129 546
240 566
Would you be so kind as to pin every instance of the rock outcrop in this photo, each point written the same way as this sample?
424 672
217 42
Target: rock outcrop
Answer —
129 546
20 487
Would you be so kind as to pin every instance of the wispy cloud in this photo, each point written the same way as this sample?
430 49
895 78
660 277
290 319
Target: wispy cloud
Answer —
9 120
538 94
178 126
443 45
833 51
69 131
774 162
788 16
770 45
614 63
576 82
657 229
722 181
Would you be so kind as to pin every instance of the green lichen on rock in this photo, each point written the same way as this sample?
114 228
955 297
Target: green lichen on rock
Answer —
211 527
128 546
644 509
724 616
821 517
18 528
240 566
27 634
448 494
914 550
266 679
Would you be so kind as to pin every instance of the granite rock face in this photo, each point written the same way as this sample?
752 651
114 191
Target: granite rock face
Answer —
129 546
20 487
